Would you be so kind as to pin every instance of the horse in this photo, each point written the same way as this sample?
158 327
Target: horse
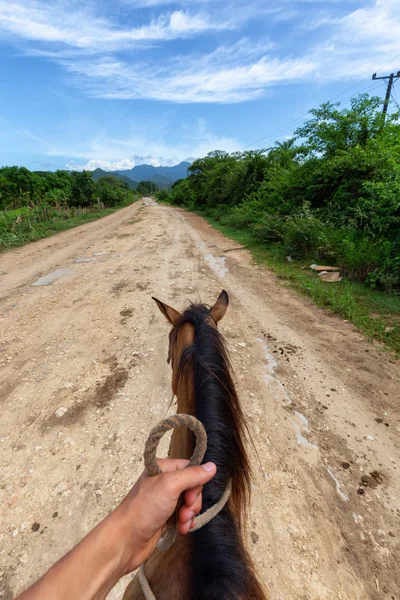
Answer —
211 563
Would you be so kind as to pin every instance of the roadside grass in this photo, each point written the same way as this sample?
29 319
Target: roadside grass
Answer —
375 313
32 231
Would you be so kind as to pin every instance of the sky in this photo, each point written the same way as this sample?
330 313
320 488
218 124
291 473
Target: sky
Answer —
87 84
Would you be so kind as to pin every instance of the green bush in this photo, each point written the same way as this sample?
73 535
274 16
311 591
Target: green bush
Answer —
244 215
60 207
182 194
112 191
163 196
387 272
359 256
83 189
306 236
334 197
269 229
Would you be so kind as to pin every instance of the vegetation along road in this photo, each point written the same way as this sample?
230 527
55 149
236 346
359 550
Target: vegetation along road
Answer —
84 377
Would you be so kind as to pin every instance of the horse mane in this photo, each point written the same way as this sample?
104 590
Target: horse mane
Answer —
221 567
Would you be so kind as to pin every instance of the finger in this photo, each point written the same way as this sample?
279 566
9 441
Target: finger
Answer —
192 495
172 464
185 527
187 513
179 481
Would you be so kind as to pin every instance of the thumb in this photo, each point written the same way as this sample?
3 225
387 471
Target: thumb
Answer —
188 478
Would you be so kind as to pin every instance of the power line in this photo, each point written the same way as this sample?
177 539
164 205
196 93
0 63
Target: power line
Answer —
394 98
395 95
366 78
285 128
278 131
388 63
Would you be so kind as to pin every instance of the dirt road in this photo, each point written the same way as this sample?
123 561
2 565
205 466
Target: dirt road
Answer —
83 361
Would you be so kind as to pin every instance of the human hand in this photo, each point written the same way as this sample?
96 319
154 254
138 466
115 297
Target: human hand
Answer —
143 513
127 537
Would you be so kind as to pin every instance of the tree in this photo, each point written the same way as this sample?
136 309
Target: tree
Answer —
83 188
112 191
333 193
17 186
146 187
332 130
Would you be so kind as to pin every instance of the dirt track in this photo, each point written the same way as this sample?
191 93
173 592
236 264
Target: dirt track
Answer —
83 361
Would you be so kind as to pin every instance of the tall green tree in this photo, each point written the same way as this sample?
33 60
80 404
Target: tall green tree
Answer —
111 191
331 193
332 130
83 189
146 187
17 186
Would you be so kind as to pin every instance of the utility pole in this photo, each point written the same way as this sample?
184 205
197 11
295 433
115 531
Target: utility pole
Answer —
392 78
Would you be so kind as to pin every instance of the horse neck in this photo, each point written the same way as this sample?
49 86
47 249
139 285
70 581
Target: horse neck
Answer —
214 571
183 441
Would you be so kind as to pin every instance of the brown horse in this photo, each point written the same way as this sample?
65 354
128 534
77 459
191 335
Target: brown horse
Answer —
211 563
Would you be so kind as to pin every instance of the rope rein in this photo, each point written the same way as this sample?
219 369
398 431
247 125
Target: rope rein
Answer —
152 469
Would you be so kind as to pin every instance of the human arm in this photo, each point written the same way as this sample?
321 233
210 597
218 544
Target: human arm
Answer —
127 537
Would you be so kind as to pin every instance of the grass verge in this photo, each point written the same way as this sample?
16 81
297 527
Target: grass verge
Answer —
375 313
38 231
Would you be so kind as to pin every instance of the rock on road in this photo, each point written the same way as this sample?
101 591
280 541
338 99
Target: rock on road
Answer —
83 378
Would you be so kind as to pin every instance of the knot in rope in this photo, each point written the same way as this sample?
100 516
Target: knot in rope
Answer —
152 469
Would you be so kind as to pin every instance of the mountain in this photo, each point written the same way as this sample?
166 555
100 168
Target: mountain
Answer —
162 176
99 173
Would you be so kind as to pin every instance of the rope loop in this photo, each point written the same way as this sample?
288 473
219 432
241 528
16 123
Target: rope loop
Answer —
152 469
180 420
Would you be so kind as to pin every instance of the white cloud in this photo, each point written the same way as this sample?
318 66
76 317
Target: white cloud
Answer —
375 27
78 28
228 74
106 165
118 154
360 42
90 47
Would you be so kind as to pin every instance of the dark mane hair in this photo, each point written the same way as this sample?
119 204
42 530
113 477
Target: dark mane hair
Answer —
221 568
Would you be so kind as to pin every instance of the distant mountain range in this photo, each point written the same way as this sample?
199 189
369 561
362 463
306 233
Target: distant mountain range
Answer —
99 173
161 176
147 172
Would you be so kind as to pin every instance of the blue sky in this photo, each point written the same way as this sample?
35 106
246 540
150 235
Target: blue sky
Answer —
113 84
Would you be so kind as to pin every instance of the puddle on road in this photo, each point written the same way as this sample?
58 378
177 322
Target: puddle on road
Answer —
299 422
339 488
216 263
272 364
50 277
301 440
84 260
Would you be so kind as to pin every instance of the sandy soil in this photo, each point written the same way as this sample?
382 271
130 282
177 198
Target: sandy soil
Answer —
84 377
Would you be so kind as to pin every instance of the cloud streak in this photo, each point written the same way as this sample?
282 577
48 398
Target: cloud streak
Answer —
233 74
92 48
137 57
54 24
99 163
360 42
180 52
113 154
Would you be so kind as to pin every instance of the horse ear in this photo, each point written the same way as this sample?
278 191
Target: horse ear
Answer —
220 307
172 315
